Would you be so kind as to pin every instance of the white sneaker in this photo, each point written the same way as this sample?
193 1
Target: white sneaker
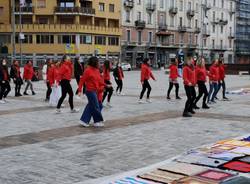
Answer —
122 94
148 101
2 102
74 110
62 106
4 99
117 94
84 124
99 124
109 105
58 111
141 101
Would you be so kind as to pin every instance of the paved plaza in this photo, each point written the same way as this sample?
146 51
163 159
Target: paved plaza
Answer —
38 146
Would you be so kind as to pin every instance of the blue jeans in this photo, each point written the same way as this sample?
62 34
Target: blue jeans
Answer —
92 109
213 90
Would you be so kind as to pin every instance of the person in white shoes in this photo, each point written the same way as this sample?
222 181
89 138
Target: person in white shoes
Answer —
146 74
118 76
94 84
4 81
108 92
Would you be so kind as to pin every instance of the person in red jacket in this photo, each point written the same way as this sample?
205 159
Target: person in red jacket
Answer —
65 75
201 76
118 75
94 87
189 80
4 81
108 85
173 79
222 79
146 74
15 74
27 76
213 81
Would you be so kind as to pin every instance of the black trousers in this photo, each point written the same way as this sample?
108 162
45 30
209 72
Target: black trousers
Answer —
191 95
18 84
171 85
108 91
202 91
223 85
145 86
49 90
78 81
5 89
66 89
119 85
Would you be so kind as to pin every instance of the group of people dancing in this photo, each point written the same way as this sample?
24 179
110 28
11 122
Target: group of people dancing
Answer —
94 80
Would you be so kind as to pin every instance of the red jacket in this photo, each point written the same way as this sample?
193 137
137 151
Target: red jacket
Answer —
189 76
120 73
106 74
66 71
50 75
92 80
173 74
101 89
222 72
146 73
28 72
201 74
214 74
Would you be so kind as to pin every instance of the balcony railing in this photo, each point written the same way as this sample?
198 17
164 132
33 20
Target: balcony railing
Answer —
163 27
74 10
206 33
207 6
214 21
24 10
231 36
220 48
151 7
223 22
140 24
197 30
173 10
232 10
182 29
190 13
129 3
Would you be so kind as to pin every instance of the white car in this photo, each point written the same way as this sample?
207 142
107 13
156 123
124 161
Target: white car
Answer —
126 67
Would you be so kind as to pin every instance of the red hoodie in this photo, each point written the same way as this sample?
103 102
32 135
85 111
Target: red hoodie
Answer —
146 73
66 71
92 80
201 73
222 72
189 76
50 75
106 74
173 74
214 75
28 72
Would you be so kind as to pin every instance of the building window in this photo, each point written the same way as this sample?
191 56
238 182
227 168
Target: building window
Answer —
161 4
213 28
43 20
221 29
66 39
127 16
41 3
113 41
1 11
172 21
111 8
44 39
149 18
214 3
128 36
162 20
205 42
222 3
221 44
67 4
181 5
138 15
150 37
85 39
27 39
101 7
189 23
213 44
100 40
181 38
139 2
139 37
190 36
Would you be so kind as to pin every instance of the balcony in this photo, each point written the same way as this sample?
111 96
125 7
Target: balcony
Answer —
24 10
173 11
223 22
86 11
197 30
231 36
215 21
220 48
190 13
74 11
207 6
232 11
129 4
163 27
150 7
129 44
182 29
206 33
140 24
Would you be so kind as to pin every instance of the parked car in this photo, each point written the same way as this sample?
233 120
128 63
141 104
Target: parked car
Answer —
126 67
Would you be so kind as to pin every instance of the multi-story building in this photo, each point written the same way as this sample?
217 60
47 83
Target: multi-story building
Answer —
242 31
52 28
160 29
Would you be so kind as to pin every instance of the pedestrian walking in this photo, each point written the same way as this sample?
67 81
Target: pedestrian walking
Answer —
94 88
65 75
108 92
180 66
222 79
173 79
48 77
118 76
201 76
189 85
27 76
4 81
146 74
213 81
15 74
78 70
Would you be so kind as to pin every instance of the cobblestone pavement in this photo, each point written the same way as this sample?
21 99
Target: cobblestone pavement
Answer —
37 146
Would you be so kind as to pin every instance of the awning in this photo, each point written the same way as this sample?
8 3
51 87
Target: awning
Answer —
164 33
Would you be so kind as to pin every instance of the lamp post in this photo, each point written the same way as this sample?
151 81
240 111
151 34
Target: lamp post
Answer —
13 41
